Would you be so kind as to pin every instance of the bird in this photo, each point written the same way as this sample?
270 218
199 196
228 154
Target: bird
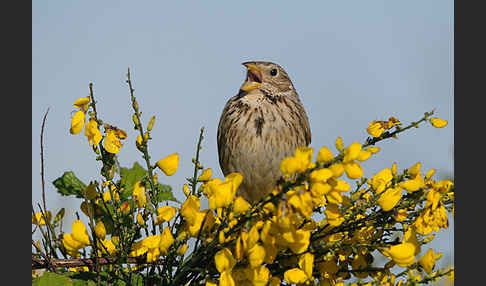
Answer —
261 125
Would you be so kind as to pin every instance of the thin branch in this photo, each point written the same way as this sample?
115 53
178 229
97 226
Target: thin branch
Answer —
90 262
196 162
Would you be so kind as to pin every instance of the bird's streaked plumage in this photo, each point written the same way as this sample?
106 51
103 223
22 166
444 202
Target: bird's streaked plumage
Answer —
260 126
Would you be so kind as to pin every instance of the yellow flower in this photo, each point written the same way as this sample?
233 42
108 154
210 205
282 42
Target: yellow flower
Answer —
256 254
433 198
198 219
363 155
186 190
429 174
297 241
151 245
438 122
320 189
108 245
295 276
381 180
224 260
321 175
373 150
394 169
390 198
79 232
71 244
77 122
165 213
139 195
152 241
392 122
226 279
151 123
206 175
189 208
140 219
306 263
222 195
414 170
337 169
138 248
412 185
428 260
324 155
375 129
443 186
236 179
79 269
402 254
107 195
302 202
38 218
411 237
304 157
353 170
169 164
253 237
100 230
182 249
339 185
166 240
289 166
112 143
240 205
333 215
401 215
82 103
92 132
352 152
135 119
259 276
339 144
140 140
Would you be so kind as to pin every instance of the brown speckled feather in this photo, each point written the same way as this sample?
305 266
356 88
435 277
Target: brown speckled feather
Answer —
258 129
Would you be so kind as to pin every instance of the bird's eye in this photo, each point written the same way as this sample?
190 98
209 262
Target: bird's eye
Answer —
273 72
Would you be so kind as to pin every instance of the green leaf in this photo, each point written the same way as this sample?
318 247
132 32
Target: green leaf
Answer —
137 279
78 282
52 279
129 177
68 184
165 193
85 278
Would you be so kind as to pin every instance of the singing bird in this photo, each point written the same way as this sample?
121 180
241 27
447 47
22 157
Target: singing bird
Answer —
260 126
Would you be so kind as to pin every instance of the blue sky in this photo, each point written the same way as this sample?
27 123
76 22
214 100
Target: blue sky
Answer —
351 62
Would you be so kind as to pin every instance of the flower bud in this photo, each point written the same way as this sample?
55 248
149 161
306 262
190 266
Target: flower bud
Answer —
151 123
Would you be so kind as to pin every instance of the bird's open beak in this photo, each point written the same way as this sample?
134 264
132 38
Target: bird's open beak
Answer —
253 77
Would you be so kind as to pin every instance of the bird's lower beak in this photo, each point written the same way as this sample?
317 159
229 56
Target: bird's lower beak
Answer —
253 77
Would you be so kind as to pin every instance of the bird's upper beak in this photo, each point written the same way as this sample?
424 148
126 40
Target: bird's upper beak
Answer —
253 77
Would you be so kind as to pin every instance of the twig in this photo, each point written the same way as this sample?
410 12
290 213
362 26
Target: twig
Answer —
146 155
44 211
90 262
47 261
196 162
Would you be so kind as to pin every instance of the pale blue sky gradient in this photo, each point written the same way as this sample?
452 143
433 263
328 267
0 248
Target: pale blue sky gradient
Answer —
351 62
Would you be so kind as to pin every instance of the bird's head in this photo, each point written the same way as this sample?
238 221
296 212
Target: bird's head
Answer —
266 76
